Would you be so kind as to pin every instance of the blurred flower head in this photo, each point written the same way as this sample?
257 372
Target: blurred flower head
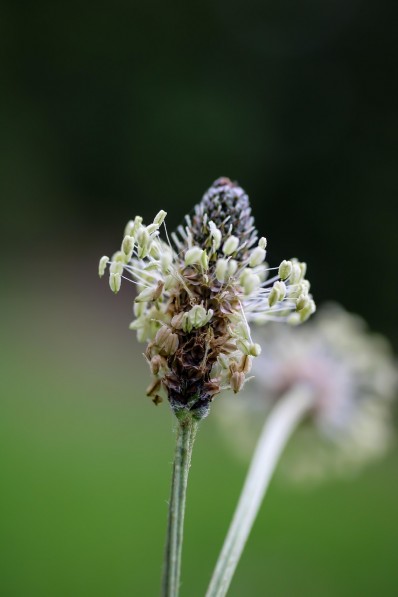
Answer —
352 377
197 296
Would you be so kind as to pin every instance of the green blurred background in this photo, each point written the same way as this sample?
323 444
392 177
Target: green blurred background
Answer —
109 110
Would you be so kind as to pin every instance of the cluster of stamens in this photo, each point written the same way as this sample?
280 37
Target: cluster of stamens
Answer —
196 299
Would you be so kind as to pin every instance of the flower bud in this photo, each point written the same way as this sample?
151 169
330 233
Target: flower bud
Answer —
103 262
230 245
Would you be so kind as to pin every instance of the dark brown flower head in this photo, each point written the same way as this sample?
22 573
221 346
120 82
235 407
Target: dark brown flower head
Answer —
196 300
227 205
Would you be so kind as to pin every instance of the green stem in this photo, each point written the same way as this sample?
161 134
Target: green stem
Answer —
172 558
278 428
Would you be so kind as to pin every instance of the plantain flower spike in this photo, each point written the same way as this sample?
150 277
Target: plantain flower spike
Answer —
197 297
352 377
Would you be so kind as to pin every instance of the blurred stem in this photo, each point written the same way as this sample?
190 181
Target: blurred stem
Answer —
186 432
278 428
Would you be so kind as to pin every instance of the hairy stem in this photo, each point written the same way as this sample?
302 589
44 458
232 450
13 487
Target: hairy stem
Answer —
278 428
172 558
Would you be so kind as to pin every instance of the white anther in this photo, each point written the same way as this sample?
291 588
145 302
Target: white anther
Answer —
160 218
116 267
216 235
128 245
257 256
277 294
295 276
285 269
165 261
198 316
103 262
232 267
307 311
255 350
115 281
204 260
262 243
221 269
230 245
193 256
251 282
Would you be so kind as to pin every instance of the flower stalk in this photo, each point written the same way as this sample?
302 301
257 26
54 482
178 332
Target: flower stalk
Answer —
278 428
186 432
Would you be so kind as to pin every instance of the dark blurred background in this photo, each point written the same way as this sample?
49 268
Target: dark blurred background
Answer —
109 110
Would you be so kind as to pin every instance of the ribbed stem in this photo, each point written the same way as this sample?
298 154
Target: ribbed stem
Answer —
278 428
172 558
